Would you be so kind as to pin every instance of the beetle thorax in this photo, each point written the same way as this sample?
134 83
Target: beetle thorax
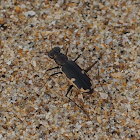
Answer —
61 59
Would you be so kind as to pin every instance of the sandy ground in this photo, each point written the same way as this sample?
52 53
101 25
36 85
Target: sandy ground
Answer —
108 31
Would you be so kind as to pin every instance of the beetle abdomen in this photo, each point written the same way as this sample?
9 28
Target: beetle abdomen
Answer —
77 76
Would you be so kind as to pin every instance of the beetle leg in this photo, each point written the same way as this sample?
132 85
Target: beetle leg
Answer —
76 103
54 74
49 70
89 68
79 54
68 90
66 51
49 79
77 57
53 68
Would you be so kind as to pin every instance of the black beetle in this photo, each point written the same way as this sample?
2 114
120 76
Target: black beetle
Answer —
75 75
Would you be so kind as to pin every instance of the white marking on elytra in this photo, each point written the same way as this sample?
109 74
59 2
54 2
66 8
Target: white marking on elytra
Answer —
92 86
83 90
72 82
83 72
72 79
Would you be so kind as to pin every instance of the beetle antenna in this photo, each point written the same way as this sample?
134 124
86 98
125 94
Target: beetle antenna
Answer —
41 52
30 52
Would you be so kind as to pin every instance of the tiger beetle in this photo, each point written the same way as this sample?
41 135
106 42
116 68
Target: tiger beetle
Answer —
75 75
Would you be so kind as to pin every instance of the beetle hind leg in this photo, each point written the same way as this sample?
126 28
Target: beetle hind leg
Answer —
91 91
75 102
69 90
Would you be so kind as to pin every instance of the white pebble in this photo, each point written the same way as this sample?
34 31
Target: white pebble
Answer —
103 95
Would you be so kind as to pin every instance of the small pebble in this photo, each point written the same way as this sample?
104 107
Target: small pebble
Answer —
3 69
99 119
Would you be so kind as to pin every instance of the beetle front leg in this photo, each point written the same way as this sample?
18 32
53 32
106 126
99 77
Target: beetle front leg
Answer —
77 57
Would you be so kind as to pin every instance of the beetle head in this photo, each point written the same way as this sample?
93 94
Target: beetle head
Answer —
54 52
59 58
